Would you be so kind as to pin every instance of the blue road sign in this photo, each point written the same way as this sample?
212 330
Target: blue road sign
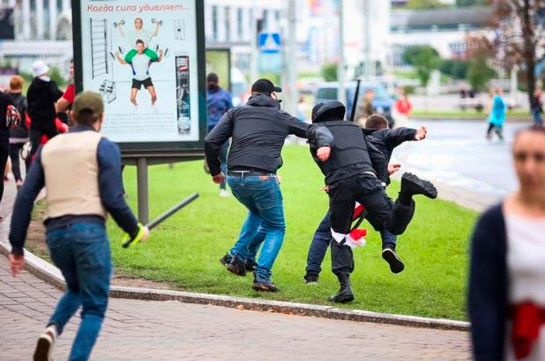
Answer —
269 43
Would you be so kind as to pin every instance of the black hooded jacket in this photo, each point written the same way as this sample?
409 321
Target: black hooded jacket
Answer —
19 101
385 140
352 154
41 98
258 130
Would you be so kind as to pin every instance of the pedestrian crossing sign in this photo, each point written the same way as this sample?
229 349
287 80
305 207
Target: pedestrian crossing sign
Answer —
269 43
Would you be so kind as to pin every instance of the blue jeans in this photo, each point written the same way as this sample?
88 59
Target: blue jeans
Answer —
536 114
82 252
322 239
223 159
255 244
263 199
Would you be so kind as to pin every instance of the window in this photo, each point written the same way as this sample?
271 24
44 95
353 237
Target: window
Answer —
215 22
239 24
227 23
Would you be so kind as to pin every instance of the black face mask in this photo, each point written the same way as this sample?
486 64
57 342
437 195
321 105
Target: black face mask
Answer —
213 86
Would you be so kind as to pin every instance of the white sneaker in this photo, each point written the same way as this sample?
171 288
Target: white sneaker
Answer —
44 348
224 193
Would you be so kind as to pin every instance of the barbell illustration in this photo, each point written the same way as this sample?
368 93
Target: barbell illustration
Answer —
116 24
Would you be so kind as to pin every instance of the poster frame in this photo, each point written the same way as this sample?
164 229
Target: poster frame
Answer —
159 152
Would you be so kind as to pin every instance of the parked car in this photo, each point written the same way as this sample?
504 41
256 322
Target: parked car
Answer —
382 101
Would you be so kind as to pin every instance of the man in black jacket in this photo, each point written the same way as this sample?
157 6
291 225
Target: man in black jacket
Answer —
352 177
42 95
258 130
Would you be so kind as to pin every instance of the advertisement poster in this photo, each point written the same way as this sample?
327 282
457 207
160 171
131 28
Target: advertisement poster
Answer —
142 57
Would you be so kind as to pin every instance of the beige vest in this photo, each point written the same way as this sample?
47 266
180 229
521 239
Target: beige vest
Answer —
71 175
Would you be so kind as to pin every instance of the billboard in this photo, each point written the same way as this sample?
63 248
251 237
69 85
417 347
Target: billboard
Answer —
147 61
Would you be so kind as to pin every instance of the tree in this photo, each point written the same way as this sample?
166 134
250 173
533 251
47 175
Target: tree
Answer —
479 74
456 69
424 59
520 32
329 72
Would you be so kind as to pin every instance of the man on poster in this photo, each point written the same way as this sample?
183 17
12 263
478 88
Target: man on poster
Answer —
139 34
140 65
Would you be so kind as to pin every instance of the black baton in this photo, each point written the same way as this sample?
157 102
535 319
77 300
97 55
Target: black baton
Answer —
355 102
157 221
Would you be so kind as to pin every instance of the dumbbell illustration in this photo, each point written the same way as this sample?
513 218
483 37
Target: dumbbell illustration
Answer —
153 21
116 24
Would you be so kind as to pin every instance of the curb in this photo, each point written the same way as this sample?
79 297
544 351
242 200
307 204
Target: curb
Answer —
476 119
50 274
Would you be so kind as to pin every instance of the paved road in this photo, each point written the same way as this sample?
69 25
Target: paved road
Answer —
458 155
156 331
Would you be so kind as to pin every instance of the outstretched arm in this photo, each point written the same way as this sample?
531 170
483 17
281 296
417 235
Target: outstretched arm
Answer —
121 32
120 58
156 32
399 135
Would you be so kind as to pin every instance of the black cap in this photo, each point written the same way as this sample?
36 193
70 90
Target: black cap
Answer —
329 111
212 78
265 86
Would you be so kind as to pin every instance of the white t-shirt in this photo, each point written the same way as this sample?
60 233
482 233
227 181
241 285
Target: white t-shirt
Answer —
134 35
140 66
526 273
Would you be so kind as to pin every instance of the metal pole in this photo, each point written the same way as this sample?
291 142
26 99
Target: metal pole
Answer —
341 64
292 51
142 185
254 73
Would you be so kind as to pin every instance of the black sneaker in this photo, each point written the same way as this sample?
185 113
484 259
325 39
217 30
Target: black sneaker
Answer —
250 265
46 342
390 256
261 286
236 266
225 260
311 278
412 185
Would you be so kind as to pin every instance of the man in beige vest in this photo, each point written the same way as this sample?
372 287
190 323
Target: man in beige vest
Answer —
81 171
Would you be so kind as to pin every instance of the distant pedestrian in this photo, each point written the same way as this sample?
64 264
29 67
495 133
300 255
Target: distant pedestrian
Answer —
81 172
9 117
507 269
18 136
365 108
219 102
42 95
65 102
537 106
403 108
497 115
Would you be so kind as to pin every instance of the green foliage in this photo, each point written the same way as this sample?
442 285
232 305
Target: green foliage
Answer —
274 77
185 249
479 74
456 69
329 72
424 4
56 75
424 59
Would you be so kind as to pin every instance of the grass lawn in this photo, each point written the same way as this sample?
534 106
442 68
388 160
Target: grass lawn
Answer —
185 249
468 114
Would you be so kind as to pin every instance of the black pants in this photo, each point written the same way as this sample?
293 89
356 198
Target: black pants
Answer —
383 213
496 129
36 133
15 156
4 154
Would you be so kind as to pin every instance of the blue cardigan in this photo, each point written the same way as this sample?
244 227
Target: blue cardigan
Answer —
488 286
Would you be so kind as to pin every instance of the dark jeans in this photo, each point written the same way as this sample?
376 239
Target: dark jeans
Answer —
82 252
496 129
4 154
383 214
15 156
263 199
36 133
536 114
322 239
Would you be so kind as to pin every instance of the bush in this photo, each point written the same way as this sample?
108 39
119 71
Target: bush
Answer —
409 89
479 74
456 69
329 72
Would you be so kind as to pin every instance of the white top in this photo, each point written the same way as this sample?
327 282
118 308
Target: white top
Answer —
134 35
526 272
140 65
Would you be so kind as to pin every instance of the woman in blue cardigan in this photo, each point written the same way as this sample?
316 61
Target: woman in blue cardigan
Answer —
507 276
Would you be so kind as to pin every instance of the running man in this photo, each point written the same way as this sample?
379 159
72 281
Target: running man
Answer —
81 172
140 64
139 34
